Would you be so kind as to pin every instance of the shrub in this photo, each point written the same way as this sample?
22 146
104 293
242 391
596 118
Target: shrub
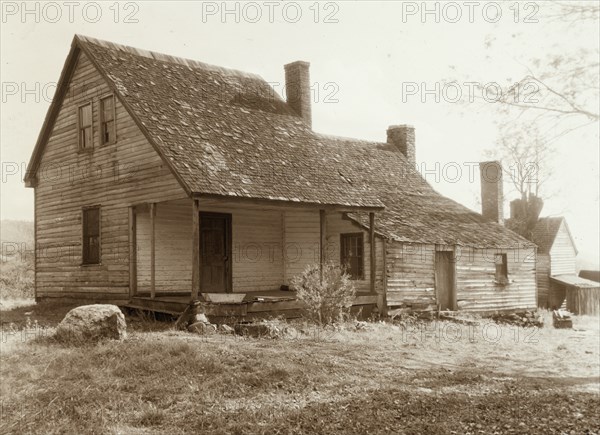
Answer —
328 299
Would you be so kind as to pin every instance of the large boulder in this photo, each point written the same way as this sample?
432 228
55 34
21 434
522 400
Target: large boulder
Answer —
90 323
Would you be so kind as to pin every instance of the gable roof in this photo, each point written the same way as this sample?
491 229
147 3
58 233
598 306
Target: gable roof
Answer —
226 133
545 231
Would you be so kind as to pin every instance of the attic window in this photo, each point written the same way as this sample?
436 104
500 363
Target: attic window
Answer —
501 268
85 127
108 131
352 254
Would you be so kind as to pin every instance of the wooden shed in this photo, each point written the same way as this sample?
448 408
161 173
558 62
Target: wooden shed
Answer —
558 283
160 180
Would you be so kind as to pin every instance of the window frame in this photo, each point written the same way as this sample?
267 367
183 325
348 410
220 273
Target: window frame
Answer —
84 259
114 120
343 240
79 127
501 273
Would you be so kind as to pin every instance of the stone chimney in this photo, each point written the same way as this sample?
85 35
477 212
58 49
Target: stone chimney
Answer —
403 137
297 89
491 191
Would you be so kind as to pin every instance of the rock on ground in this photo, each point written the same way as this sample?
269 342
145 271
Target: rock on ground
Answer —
202 328
92 323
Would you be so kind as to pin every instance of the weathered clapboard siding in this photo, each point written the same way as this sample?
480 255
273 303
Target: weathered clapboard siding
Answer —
113 176
410 274
173 248
337 225
301 241
411 278
476 286
562 253
542 272
257 254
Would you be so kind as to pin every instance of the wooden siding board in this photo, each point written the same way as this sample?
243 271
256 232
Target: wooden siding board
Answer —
302 241
562 253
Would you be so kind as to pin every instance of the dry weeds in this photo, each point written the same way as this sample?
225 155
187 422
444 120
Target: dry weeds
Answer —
435 377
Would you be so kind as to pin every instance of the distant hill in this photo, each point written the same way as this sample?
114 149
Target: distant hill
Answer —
17 232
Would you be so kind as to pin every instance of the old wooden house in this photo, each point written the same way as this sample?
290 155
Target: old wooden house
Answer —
160 180
557 279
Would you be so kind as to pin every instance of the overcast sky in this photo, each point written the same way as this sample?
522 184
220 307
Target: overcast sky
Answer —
370 62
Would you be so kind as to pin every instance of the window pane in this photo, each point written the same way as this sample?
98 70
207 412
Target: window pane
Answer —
351 248
108 120
86 137
107 132
91 236
85 116
107 109
85 126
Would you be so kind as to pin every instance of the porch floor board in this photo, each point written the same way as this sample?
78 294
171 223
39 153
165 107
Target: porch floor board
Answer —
259 304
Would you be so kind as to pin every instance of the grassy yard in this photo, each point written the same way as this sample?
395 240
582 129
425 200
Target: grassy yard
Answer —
434 377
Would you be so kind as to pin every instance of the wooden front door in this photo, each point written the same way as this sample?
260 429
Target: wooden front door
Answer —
215 253
445 269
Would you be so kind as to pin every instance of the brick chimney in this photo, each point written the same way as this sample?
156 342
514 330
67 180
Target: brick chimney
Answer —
491 191
403 137
297 89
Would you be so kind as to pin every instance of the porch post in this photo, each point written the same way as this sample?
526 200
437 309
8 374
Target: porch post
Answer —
382 298
132 252
152 250
322 241
372 256
195 249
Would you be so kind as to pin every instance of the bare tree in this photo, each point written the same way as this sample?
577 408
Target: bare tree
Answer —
562 88
559 94
525 155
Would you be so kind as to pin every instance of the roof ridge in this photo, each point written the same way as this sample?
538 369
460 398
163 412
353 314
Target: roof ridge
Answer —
191 63
348 138
551 217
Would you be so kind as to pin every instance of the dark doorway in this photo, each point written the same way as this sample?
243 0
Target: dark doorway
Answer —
215 253
445 269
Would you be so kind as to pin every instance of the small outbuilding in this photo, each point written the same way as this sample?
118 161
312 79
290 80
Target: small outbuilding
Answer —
558 282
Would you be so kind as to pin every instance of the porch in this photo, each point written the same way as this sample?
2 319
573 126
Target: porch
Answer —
255 305
252 250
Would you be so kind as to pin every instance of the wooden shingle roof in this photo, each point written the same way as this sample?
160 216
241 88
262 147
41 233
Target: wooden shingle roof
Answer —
227 133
